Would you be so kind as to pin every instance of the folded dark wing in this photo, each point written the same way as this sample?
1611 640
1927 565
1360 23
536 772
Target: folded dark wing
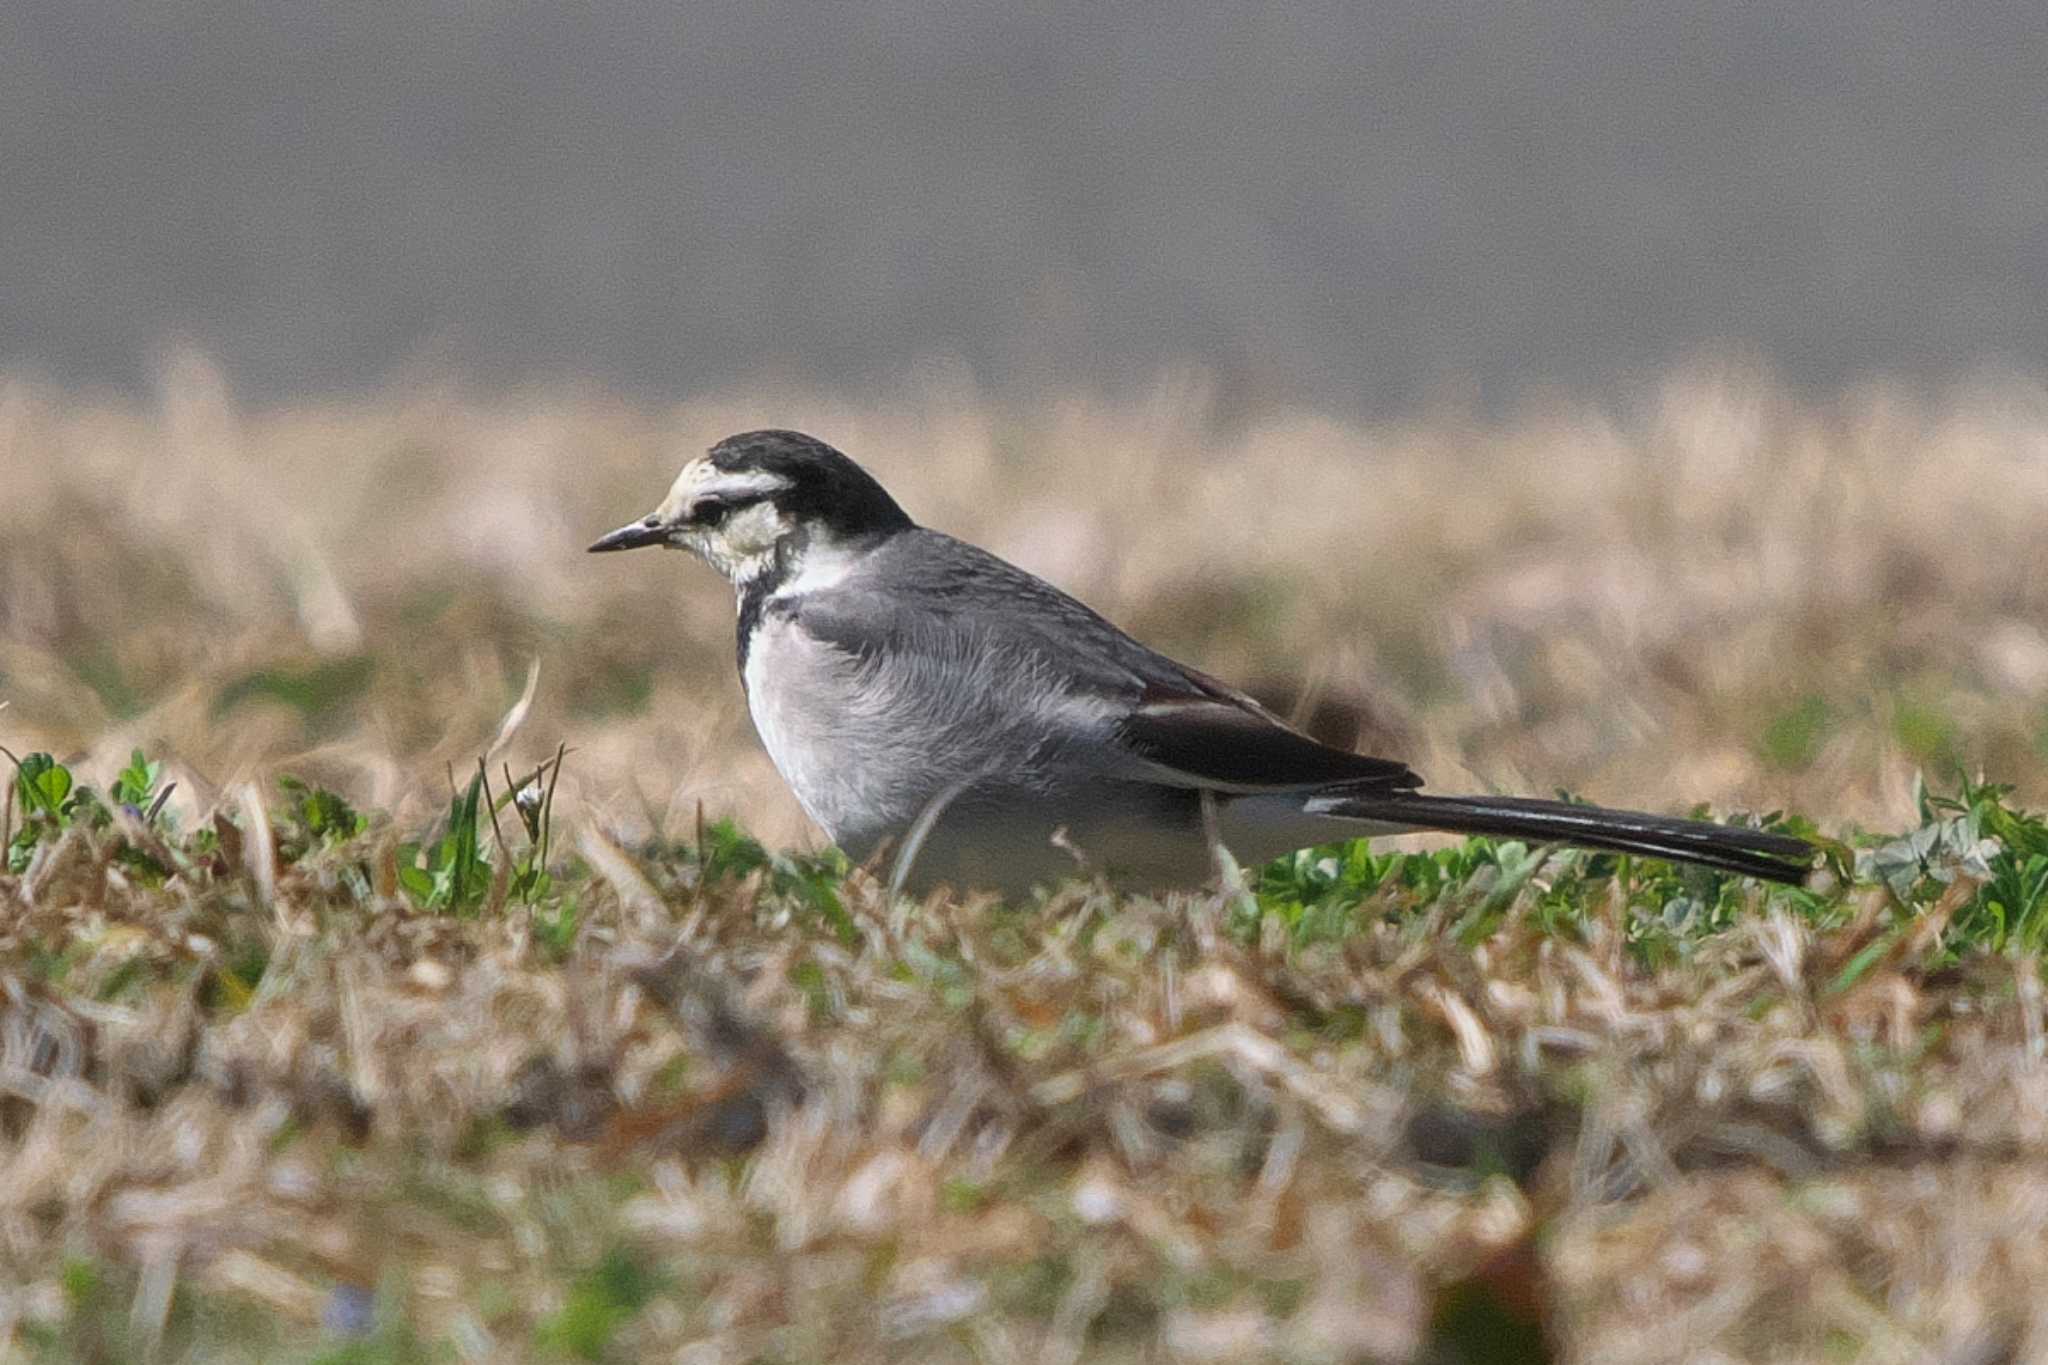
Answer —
1220 738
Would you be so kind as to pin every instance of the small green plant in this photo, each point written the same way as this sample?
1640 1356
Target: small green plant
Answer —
321 815
44 785
453 873
137 785
725 851
50 801
450 874
1325 893
1978 835
601 1301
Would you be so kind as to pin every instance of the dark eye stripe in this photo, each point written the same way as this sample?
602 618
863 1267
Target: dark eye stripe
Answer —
713 510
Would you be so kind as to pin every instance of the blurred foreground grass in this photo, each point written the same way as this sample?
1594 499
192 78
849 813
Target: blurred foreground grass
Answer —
352 1068
299 1083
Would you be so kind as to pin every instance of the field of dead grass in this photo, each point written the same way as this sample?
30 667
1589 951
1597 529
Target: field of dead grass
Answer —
1722 594
262 1096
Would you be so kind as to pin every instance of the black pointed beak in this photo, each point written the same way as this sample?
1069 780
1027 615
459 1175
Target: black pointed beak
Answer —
647 531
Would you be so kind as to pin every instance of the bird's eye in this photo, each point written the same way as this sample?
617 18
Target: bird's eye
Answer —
711 511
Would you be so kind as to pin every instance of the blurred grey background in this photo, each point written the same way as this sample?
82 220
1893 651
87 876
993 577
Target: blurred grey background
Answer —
1357 207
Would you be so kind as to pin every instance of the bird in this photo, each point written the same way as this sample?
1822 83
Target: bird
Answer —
929 702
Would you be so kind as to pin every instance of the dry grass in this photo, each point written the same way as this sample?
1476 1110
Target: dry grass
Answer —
1643 607
708 1125
1095 1130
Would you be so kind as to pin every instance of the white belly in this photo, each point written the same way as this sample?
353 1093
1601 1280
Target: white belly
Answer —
867 749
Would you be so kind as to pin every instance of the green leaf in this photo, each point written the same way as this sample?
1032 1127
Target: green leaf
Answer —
136 783
729 852
416 881
43 783
453 875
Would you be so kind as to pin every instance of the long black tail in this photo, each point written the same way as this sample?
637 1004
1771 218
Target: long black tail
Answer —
1750 852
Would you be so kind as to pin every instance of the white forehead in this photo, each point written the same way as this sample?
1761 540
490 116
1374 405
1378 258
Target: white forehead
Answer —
700 478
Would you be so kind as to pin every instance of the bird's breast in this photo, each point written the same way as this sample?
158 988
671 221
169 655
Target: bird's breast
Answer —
869 743
810 707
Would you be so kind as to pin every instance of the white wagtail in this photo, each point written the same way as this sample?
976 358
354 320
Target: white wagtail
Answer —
921 695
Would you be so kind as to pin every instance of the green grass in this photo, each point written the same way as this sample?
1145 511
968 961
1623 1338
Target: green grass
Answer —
467 862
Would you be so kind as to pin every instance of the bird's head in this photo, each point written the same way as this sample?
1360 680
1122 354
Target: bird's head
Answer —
760 501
